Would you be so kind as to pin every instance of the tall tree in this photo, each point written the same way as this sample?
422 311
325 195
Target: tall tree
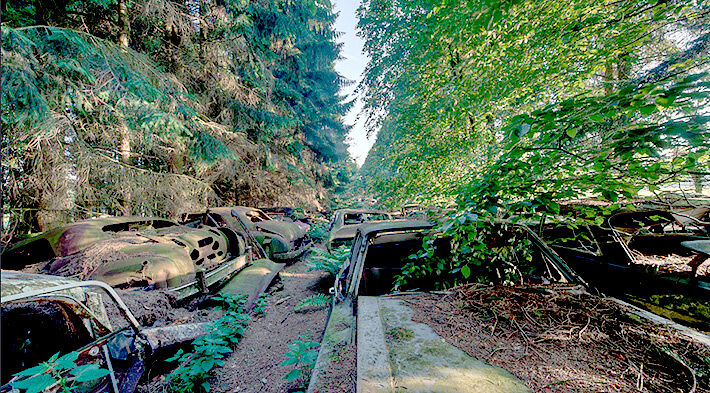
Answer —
162 106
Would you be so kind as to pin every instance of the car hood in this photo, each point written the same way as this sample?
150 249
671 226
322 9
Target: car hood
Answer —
345 232
288 230
15 283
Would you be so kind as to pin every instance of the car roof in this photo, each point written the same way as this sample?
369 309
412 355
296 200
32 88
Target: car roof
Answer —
374 227
366 211
227 210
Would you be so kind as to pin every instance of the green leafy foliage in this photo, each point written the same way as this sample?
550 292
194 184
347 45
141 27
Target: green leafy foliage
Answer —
197 111
313 302
261 304
325 261
477 249
62 371
302 355
528 101
209 351
319 232
613 159
507 109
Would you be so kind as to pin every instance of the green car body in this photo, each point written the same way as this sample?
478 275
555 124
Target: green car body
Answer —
129 252
280 240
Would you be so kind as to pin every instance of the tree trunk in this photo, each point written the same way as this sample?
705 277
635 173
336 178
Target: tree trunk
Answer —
623 67
124 24
203 10
609 79
125 153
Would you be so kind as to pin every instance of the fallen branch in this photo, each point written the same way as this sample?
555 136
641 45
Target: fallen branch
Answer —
692 372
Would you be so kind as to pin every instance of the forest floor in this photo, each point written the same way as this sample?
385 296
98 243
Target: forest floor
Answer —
557 341
254 366
553 340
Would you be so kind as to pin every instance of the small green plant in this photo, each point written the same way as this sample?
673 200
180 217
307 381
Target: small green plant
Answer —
319 232
329 262
261 304
210 350
61 371
314 302
302 355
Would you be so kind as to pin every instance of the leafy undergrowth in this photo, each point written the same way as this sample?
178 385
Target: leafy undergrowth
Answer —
302 354
325 261
260 305
314 302
319 232
209 351
329 262
61 372
566 341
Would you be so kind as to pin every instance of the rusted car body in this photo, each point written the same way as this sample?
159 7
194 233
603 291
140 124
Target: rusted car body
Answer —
650 257
43 315
289 214
363 287
345 222
141 252
647 234
281 240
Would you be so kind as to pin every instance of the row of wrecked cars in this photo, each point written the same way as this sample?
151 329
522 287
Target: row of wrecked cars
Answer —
651 249
653 260
656 256
60 290
641 256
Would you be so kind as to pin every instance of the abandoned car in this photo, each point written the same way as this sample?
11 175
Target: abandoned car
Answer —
127 252
390 347
282 240
344 224
649 237
87 323
295 215
362 292
652 258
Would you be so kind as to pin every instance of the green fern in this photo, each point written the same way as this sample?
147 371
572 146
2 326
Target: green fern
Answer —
329 262
312 303
319 232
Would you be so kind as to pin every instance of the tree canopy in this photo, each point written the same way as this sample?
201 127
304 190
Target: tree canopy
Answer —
508 109
518 103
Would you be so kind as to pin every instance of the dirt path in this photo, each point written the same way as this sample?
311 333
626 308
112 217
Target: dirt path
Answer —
254 365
